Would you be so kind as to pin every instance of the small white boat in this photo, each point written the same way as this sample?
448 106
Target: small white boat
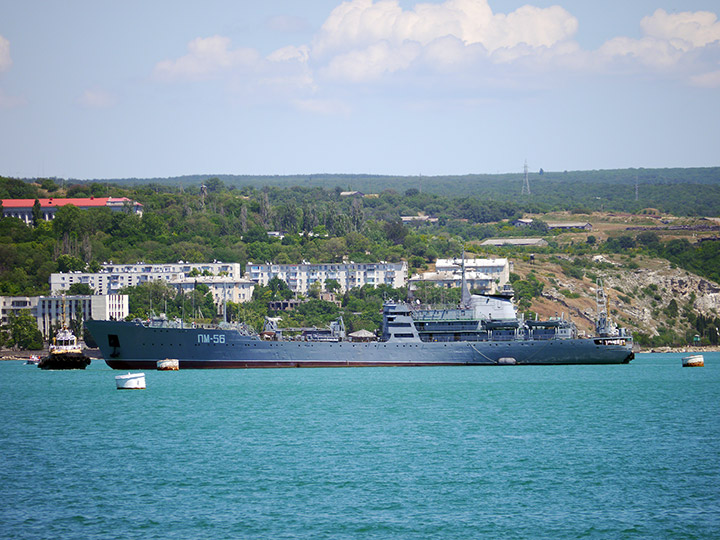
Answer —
169 364
34 360
131 381
694 360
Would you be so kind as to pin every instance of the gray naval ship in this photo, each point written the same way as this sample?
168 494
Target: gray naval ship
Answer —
484 330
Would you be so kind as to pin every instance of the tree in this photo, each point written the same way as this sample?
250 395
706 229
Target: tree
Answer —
395 231
214 184
49 185
356 242
68 220
36 213
69 263
332 285
279 289
256 233
315 289
4 336
648 238
24 332
80 289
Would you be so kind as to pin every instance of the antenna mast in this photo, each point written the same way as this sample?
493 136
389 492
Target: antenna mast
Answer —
601 306
465 293
526 181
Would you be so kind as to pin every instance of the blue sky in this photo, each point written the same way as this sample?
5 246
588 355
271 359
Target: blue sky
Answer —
153 89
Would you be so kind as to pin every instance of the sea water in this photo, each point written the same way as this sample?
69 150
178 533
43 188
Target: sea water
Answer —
562 452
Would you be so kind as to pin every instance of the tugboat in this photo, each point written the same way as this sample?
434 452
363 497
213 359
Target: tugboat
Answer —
64 353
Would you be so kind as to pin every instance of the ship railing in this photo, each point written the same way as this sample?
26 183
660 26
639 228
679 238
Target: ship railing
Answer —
437 314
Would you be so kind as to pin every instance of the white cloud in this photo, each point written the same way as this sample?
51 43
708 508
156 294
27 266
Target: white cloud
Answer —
367 42
290 54
97 99
360 23
707 80
207 57
372 62
685 30
648 51
364 41
5 60
668 38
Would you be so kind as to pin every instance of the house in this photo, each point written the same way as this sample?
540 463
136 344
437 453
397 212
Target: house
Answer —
519 242
417 220
567 225
522 222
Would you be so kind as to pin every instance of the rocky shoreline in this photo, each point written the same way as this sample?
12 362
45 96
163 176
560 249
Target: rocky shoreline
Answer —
9 354
679 350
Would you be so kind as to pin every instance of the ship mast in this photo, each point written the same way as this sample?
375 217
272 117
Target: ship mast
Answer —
64 324
465 293
601 309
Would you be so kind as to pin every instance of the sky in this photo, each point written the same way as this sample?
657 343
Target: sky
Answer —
93 89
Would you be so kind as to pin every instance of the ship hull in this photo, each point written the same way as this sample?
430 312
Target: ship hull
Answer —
66 360
126 345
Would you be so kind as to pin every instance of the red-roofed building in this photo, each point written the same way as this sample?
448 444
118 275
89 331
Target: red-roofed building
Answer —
22 208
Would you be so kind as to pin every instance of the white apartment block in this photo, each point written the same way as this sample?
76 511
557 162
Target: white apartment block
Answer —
48 310
349 275
485 275
495 268
223 288
114 277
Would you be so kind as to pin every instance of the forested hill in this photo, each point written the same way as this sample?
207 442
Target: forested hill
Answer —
686 191
464 184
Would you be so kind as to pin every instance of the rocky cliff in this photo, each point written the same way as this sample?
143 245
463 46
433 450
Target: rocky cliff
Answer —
639 291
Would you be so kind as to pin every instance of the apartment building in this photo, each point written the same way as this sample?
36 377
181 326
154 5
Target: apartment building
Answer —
485 275
114 277
49 311
300 277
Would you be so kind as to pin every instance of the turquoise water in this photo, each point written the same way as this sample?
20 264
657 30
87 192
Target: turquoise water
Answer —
556 452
